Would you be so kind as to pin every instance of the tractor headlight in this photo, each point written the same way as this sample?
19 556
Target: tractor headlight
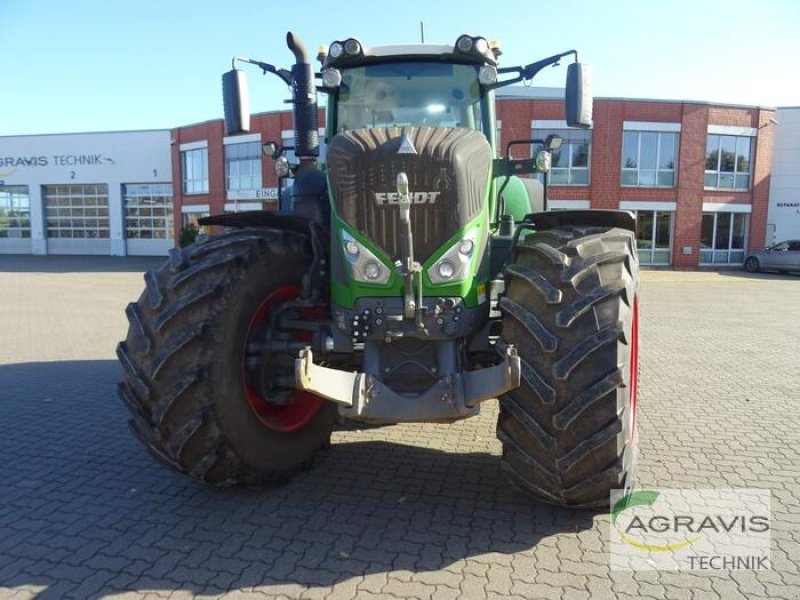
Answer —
331 78
282 168
445 269
487 74
464 43
351 248
336 49
372 270
454 264
481 46
364 265
352 47
543 161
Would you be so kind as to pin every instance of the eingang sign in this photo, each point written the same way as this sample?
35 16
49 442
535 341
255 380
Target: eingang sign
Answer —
270 194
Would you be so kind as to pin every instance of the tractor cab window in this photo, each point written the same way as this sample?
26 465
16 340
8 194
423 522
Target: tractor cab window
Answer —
409 94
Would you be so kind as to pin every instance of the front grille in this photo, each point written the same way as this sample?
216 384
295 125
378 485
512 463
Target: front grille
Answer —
453 162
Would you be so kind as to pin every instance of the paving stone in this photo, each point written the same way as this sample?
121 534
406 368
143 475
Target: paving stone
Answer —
409 511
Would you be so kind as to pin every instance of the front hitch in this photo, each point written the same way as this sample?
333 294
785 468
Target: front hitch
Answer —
364 397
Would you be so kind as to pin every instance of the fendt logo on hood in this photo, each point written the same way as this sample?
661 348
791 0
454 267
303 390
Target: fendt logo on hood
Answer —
383 198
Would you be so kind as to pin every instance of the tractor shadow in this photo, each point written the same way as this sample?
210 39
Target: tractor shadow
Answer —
88 513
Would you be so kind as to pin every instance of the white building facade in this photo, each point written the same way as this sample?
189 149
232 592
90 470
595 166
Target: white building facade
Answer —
86 193
783 218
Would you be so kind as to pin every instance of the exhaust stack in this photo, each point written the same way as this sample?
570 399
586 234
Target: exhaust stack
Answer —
304 94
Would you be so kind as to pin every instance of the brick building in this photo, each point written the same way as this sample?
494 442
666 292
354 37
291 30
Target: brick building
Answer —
696 174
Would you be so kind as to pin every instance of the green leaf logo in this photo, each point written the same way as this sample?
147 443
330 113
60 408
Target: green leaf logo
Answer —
638 498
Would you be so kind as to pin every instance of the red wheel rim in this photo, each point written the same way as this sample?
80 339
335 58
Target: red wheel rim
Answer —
634 374
304 405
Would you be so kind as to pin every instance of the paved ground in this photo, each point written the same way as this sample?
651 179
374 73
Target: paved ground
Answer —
398 512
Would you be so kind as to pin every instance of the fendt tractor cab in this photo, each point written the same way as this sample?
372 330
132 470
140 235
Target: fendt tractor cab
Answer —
410 278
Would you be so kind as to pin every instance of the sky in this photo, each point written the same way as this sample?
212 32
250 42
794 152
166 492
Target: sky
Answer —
90 65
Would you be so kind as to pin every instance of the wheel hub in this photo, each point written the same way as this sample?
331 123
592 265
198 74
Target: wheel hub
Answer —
268 380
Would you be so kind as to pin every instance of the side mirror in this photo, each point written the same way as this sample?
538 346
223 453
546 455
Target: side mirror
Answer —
236 101
578 96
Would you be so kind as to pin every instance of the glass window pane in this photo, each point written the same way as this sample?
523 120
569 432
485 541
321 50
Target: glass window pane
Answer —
580 155
707 231
647 177
579 177
243 166
723 230
644 227
720 256
710 180
195 171
666 154
742 182
739 229
556 157
663 227
743 155
630 150
712 153
14 211
629 177
559 176
726 180
660 257
727 153
666 178
648 149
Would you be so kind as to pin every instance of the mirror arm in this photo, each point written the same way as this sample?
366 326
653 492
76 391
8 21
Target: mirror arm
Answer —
285 75
529 71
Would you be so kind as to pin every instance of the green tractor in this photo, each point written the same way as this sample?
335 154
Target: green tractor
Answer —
412 277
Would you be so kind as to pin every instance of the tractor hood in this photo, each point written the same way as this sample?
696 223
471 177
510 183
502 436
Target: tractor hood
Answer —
448 174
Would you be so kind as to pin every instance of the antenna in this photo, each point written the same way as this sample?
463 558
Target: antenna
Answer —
422 32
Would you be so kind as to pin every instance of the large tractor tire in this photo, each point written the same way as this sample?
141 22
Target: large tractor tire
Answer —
188 384
571 309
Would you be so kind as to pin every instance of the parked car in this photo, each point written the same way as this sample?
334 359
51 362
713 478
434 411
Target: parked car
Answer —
784 256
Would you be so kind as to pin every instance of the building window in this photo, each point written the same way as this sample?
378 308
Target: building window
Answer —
728 162
649 158
191 216
722 239
654 236
15 211
77 211
570 163
243 166
194 165
148 211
